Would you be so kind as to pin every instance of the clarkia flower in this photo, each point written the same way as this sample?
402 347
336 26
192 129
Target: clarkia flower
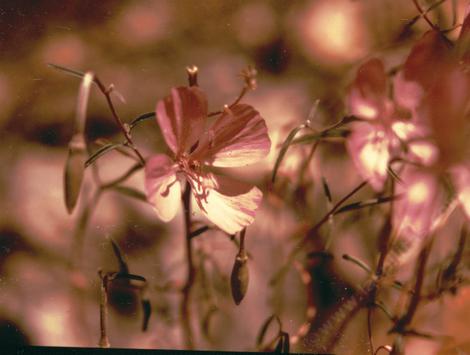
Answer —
236 138
383 130
437 77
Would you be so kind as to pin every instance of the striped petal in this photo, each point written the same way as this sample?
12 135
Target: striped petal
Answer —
162 186
182 117
367 95
239 137
369 148
227 203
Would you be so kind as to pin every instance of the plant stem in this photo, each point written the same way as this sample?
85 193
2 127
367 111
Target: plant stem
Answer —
104 341
125 131
186 290
313 230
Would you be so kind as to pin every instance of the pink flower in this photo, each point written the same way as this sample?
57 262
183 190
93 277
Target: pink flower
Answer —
237 138
383 131
440 80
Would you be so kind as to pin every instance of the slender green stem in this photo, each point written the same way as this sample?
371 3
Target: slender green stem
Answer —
312 231
191 273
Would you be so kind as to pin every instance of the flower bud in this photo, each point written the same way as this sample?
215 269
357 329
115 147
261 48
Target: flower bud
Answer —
240 277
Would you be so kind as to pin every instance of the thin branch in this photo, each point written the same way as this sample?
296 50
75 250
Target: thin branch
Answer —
191 274
312 231
424 15
104 341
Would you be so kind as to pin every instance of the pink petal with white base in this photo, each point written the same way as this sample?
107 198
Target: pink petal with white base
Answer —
239 137
162 186
182 116
414 214
421 203
367 96
227 203
369 147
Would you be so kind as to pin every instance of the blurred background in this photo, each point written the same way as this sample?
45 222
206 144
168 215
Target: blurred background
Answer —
303 51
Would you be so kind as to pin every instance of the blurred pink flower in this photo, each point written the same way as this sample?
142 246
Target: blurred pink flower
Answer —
383 130
238 137
439 79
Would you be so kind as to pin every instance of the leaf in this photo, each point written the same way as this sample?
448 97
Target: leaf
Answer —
366 203
206 321
265 327
144 117
127 276
131 192
72 72
326 189
358 262
102 151
147 310
74 170
240 278
123 268
284 148
310 138
283 344
199 231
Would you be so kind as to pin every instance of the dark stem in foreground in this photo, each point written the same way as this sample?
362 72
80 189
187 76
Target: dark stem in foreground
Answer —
186 290
104 341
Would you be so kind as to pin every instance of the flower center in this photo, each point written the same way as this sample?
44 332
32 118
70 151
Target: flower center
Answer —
192 169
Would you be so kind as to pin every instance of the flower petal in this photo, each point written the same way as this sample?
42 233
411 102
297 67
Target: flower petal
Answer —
162 186
239 137
369 148
367 96
461 178
420 147
430 54
227 203
415 213
182 117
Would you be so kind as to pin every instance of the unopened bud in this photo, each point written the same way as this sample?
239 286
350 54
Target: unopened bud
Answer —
240 277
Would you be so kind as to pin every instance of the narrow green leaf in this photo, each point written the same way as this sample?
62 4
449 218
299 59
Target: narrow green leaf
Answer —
131 192
102 151
123 268
358 262
147 310
72 72
128 276
199 231
206 321
74 170
326 189
310 138
123 177
283 150
366 203
265 327
144 117
283 344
